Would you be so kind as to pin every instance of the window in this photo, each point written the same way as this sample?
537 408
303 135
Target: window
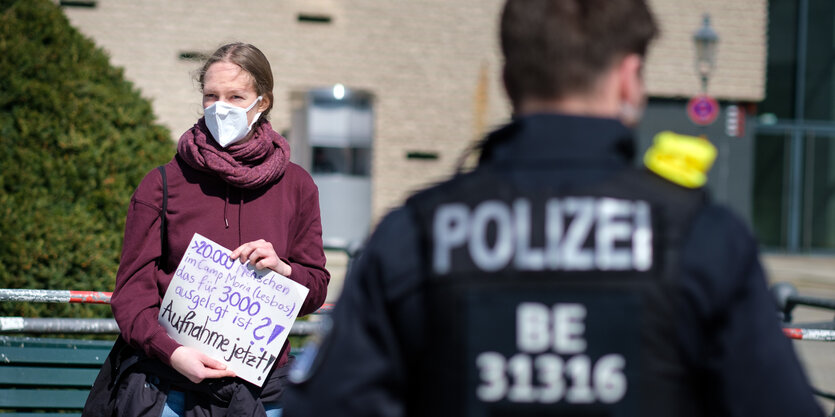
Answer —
340 132
794 190
332 137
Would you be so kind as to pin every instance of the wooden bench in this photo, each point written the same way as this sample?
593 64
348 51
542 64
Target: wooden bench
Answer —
44 377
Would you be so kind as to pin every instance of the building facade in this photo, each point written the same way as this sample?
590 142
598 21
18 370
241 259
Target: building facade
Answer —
380 98
794 187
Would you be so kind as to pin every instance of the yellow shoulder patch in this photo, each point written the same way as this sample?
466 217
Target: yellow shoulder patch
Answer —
684 160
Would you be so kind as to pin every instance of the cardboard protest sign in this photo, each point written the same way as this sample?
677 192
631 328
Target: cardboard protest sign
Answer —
229 310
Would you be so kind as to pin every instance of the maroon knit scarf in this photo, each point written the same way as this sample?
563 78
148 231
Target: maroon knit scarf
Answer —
253 164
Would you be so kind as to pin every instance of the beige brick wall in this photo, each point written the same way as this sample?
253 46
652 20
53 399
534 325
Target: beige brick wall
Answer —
741 53
432 65
420 59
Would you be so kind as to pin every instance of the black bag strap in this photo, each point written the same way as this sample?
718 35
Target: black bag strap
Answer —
162 212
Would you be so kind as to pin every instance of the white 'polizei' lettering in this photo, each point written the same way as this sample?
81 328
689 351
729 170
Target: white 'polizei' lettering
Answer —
574 256
642 237
580 233
527 257
450 230
613 227
497 257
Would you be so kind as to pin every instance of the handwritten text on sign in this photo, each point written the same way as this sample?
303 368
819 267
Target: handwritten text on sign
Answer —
230 311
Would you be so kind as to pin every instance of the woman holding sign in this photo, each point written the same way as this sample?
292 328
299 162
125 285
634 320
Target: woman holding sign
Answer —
231 181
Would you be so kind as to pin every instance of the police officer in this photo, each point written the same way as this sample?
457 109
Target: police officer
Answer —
556 278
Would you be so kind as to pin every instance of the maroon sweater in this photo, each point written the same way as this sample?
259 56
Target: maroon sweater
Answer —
285 214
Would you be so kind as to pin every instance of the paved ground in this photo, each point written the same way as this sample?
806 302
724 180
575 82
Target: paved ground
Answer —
813 276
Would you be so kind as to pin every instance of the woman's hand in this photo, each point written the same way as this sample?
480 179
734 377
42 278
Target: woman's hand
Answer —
261 254
197 366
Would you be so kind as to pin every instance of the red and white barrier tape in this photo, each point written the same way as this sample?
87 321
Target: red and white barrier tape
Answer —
824 335
55 296
85 297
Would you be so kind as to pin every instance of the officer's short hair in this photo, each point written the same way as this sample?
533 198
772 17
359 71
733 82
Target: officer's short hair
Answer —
554 48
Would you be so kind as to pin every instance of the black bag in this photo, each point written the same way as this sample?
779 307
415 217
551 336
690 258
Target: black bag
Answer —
102 398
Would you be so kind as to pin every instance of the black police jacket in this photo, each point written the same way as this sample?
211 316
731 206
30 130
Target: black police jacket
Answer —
729 355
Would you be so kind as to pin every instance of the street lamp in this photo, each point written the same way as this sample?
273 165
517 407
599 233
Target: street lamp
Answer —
705 39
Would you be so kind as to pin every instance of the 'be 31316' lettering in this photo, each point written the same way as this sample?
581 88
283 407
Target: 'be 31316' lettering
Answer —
551 364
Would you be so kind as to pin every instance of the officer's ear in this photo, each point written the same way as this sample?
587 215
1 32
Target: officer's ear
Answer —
631 80
631 91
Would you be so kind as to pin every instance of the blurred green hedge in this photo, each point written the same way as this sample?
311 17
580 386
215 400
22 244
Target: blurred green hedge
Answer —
75 140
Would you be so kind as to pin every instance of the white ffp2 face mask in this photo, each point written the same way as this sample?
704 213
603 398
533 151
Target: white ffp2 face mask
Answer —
228 123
